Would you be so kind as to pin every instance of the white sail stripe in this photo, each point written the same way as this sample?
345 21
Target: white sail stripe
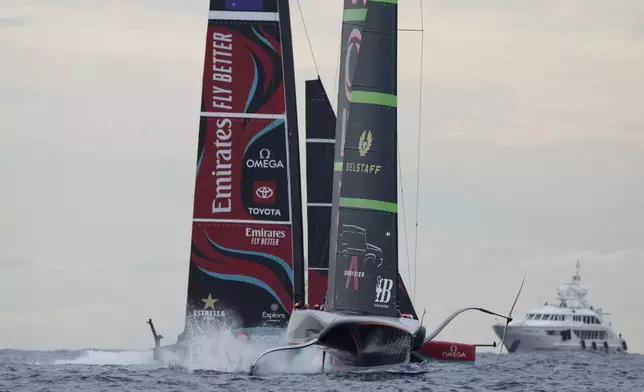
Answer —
319 204
315 140
244 115
243 15
318 269
262 222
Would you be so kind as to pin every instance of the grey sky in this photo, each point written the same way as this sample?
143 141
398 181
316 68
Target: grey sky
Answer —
531 149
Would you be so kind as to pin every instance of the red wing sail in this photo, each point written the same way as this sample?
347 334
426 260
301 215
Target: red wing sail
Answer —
246 255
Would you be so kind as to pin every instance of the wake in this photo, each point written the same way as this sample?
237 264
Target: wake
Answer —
218 351
101 357
222 351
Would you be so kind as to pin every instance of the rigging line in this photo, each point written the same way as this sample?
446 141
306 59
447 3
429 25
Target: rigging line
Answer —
411 283
420 123
308 38
402 196
336 85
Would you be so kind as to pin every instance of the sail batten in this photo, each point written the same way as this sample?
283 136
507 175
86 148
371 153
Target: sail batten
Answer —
374 98
245 16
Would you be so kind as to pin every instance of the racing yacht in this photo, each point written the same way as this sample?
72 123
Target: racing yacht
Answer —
570 324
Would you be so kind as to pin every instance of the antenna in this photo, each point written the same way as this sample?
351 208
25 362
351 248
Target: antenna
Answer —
509 318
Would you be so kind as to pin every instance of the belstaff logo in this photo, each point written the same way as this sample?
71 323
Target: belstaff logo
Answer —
364 145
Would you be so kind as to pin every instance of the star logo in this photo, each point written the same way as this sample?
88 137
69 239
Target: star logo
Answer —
209 302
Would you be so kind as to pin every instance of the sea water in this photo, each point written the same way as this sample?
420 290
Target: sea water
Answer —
96 370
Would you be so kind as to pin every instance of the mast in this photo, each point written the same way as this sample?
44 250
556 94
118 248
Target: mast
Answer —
353 19
246 261
297 226
364 270
320 144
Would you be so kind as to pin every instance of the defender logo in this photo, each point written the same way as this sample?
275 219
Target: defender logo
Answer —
353 272
366 140
383 291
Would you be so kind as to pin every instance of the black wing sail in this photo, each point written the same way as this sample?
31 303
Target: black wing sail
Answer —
364 270
320 144
353 19
404 299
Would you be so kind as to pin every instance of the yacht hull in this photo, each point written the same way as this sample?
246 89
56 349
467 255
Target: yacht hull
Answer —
523 338
446 351
356 342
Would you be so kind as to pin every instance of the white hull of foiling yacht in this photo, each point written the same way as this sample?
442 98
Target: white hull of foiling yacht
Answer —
355 341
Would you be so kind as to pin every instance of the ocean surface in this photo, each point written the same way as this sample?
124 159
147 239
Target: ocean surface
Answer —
95 370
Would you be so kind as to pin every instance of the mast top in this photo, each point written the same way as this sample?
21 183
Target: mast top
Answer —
577 277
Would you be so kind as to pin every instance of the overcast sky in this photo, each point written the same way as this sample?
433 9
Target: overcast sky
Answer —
532 153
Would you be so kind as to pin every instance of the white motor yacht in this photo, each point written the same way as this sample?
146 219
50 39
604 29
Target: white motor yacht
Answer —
571 324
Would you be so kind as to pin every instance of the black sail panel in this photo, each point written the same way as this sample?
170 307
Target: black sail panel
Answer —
366 259
404 299
320 144
353 20
246 260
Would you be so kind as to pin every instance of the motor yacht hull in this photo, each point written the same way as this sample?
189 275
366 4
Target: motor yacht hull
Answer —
526 338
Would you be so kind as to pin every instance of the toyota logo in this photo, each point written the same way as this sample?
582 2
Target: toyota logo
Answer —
264 192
